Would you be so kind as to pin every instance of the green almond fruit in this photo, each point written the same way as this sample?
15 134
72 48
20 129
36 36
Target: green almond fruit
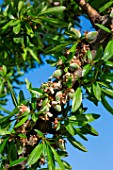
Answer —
57 74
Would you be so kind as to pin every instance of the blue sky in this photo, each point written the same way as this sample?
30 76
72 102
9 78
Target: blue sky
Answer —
100 149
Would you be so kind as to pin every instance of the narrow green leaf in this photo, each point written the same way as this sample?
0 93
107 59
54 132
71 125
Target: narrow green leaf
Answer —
108 92
106 105
37 91
77 130
108 53
69 128
107 77
53 10
16 162
105 6
35 154
21 96
39 133
77 144
3 144
97 90
66 165
50 158
86 69
34 55
77 99
5 110
58 158
53 21
103 28
84 117
14 99
22 121
57 48
88 129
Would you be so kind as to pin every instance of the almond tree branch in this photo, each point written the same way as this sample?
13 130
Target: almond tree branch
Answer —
91 12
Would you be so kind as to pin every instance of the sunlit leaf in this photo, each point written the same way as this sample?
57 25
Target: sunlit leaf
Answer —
22 121
16 29
103 28
77 99
53 10
35 154
86 69
3 144
97 90
107 105
16 162
50 158
88 129
58 158
108 53
77 144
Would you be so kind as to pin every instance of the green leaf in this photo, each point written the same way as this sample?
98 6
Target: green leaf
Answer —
69 128
57 48
106 104
84 117
34 55
108 92
103 28
88 129
109 63
107 77
5 110
66 165
78 132
77 99
29 29
35 154
14 99
21 96
11 23
53 10
16 162
16 29
53 21
39 133
108 53
22 121
22 135
3 144
106 6
37 91
20 5
86 69
58 159
4 132
50 158
77 144
97 90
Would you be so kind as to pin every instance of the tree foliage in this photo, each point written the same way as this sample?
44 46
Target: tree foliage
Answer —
35 132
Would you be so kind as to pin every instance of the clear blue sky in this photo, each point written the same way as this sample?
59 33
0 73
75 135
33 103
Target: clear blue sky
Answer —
100 149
